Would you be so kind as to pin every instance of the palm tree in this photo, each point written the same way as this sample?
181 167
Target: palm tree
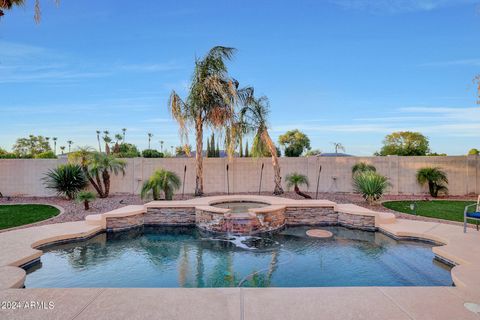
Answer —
62 148
54 145
103 165
8 4
98 139
338 146
161 146
436 179
124 131
150 135
107 140
85 197
210 102
255 114
70 142
161 180
294 180
83 156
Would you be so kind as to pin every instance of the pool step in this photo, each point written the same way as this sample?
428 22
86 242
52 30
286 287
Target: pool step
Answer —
95 220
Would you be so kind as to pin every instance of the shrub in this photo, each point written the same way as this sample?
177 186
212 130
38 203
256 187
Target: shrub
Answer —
67 180
151 153
46 155
127 150
161 180
370 185
295 179
435 178
85 197
8 155
362 167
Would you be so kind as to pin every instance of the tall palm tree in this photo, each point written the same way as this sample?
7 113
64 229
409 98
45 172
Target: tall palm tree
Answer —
210 102
150 135
124 131
8 4
83 156
70 142
161 146
98 139
107 140
338 146
161 180
62 148
55 144
254 115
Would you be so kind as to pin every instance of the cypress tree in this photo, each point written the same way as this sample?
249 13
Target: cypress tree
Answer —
212 145
217 153
246 149
208 148
241 149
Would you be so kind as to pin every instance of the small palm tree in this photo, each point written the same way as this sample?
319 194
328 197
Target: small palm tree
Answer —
70 142
55 145
294 180
102 166
107 140
85 197
370 185
161 146
161 180
124 131
436 179
362 167
150 135
338 146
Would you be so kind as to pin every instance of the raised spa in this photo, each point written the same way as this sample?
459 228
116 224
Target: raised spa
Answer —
189 257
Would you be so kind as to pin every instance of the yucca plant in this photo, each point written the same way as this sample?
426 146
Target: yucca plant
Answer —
295 179
67 180
435 178
362 167
370 185
161 180
85 197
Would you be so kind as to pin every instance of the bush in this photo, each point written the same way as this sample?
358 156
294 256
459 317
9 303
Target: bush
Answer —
362 167
161 180
151 153
46 155
127 150
67 180
370 185
435 178
8 156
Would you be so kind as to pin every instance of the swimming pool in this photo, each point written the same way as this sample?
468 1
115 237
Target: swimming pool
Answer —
187 257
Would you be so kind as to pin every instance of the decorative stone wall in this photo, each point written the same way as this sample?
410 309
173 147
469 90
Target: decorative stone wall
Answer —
170 216
311 216
356 221
122 223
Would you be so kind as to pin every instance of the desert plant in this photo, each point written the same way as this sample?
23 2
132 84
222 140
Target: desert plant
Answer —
435 178
362 167
161 180
371 185
67 180
151 153
85 197
295 179
101 165
46 155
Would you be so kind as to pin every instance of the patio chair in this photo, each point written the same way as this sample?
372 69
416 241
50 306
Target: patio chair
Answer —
471 215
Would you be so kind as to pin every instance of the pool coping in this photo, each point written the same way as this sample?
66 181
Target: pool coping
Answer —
20 247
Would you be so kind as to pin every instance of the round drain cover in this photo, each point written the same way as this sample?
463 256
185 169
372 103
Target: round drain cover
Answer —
319 233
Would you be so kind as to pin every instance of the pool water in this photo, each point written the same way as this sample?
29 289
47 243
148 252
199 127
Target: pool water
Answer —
240 206
186 257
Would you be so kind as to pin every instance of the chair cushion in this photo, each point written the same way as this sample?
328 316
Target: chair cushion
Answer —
475 215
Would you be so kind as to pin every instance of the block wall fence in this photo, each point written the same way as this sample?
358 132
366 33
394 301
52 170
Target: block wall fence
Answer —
23 177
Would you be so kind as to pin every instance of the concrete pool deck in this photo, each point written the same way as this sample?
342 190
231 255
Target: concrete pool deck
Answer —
17 248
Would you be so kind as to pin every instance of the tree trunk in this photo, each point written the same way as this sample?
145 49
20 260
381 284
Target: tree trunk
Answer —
199 158
107 148
106 182
99 185
278 190
300 193
92 182
86 204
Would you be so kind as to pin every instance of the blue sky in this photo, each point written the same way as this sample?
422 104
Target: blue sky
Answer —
348 71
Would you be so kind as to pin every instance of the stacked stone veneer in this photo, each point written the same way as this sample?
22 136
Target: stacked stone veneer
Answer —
170 216
249 223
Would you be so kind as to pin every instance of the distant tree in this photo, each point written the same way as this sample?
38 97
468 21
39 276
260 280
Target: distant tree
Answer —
107 140
473 151
295 143
124 132
152 153
127 150
31 146
69 142
213 152
405 143
62 148
98 139
55 145
150 135
436 154
338 146
217 151
314 152
246 150
161 146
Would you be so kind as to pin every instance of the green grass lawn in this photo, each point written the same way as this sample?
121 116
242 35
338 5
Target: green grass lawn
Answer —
440 209
20 214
